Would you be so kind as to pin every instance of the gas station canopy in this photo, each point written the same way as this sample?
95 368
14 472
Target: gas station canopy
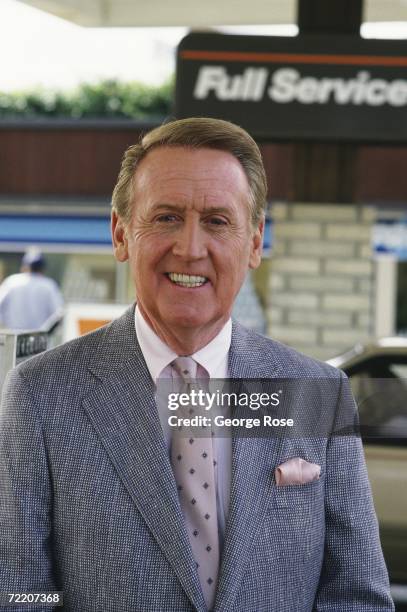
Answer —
195 13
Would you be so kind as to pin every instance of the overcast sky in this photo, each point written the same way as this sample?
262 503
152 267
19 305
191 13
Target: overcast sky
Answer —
37 48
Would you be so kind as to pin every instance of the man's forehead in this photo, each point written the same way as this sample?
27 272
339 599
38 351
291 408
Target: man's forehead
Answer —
184 171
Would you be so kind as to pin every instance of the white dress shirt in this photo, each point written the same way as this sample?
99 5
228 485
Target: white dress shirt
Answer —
214 359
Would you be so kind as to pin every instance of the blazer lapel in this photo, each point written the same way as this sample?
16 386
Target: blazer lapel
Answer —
250 485
123 413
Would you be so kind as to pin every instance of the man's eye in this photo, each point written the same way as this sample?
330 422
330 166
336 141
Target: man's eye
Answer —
217 221
169 218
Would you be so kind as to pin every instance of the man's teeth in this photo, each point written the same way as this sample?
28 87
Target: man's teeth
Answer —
187 280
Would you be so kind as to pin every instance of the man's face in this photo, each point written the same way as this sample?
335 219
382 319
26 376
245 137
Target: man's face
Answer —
190 240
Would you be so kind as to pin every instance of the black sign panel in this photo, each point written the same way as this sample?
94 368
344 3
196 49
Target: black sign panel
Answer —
295 88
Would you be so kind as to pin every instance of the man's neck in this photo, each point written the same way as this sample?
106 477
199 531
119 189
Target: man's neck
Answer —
185 340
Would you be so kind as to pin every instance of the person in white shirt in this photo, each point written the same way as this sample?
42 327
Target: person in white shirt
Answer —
29 299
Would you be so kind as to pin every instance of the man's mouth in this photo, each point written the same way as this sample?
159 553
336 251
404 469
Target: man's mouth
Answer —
187 280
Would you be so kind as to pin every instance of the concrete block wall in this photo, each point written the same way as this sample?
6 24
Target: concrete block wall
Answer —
321 284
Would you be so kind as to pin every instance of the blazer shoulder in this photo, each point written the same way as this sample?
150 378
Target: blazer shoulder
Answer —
73 357
76 351
266 354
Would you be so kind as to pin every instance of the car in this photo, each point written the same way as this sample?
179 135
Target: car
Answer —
378 377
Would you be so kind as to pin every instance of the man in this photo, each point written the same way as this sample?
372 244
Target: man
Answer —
98 496
29 300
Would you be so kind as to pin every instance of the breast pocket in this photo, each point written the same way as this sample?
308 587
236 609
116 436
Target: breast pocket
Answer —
295 521
289 496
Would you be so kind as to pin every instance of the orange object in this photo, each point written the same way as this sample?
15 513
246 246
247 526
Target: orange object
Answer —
88 325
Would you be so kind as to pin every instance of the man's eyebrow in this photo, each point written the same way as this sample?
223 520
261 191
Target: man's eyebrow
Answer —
164 206
180 208
218 210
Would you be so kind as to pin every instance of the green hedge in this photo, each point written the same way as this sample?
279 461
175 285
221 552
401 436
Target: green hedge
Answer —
108 99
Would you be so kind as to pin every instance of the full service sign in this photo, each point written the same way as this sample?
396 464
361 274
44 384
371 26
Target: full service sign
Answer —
317 88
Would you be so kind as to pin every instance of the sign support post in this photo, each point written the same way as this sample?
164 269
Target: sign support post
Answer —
325 172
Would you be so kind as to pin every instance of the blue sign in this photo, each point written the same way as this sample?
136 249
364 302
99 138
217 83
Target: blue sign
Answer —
55 230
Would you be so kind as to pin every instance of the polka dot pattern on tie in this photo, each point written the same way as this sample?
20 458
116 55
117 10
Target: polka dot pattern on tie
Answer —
194 470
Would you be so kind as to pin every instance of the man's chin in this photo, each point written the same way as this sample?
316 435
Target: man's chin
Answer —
192 320
187 321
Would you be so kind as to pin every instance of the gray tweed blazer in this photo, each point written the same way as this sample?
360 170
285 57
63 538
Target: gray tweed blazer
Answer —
89 505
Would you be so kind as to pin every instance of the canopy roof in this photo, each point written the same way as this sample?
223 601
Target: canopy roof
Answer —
195 13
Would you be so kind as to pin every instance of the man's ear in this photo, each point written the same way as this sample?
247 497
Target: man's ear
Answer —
119 238
256 246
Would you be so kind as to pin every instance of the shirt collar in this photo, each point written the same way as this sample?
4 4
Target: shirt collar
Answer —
213 356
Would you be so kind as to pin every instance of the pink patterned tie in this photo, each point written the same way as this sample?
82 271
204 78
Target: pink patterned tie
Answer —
194 470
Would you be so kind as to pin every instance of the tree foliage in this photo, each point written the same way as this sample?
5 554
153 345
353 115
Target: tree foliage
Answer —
107 99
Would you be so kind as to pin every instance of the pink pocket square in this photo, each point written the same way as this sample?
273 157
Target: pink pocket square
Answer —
296 471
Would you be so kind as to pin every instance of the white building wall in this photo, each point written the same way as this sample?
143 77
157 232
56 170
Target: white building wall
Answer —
322 280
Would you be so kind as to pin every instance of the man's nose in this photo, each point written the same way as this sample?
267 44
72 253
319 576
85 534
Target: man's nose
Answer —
190 241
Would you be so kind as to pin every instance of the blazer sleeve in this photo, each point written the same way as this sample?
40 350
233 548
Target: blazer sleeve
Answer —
354 576
25 500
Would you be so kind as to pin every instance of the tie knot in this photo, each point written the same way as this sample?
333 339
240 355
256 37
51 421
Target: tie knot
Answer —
186 368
